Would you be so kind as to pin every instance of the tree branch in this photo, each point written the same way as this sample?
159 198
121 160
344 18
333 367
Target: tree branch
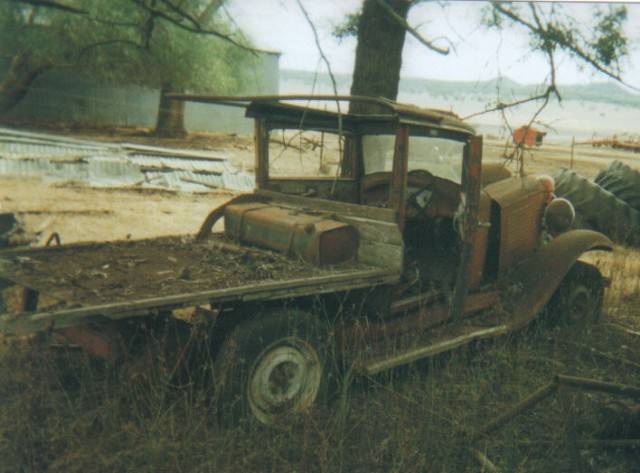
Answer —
108 42
411 30
194 29
550 32
52 4
499 106
335 89
181 13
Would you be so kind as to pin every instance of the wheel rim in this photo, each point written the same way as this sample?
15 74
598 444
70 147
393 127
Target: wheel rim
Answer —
285 378
579 305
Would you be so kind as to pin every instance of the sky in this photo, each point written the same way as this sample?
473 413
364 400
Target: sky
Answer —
479 54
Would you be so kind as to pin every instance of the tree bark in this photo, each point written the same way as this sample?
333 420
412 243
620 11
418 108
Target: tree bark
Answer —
170 123
378 53
18 80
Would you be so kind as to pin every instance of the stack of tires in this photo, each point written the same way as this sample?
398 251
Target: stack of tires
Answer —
621 181
610 204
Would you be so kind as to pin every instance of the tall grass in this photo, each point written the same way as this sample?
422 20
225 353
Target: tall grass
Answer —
63 412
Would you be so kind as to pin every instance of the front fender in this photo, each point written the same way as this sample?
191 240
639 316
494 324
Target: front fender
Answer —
530 286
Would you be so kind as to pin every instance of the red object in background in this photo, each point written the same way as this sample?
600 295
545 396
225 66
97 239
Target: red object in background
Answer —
528 136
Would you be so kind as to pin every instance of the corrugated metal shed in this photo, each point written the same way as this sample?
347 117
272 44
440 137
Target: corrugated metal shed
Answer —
112 165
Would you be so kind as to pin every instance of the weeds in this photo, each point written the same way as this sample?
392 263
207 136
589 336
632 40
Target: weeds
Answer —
63 412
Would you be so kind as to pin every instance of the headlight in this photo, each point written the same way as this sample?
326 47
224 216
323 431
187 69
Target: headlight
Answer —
559 216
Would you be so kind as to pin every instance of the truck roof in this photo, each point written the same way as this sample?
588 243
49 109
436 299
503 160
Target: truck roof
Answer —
279 109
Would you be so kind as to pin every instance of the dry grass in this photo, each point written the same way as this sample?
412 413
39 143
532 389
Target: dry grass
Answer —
62 412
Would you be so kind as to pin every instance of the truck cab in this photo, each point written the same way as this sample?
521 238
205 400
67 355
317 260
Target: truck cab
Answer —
415 174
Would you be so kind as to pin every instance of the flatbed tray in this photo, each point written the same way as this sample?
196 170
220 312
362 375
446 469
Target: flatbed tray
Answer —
122 278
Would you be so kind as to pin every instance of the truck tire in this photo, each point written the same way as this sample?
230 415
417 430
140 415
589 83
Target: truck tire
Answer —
578 299
599 208
272 366
621 181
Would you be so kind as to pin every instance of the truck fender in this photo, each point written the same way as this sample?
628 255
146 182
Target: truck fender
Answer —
533 282
217 213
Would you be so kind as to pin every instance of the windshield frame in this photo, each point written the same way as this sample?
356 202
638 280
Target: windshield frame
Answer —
399 172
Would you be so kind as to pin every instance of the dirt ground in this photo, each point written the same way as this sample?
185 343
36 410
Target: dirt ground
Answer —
548 159
81 213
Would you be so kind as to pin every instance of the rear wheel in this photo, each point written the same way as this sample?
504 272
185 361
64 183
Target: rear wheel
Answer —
578 300
272 367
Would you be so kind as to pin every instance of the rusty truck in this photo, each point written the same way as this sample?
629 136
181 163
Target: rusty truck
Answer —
393 244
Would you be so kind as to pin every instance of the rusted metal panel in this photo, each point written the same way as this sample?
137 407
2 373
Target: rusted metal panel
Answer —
534 281
102 342
398 189
481 242
471 181
312 237
494 172
521 202
428 314
217 213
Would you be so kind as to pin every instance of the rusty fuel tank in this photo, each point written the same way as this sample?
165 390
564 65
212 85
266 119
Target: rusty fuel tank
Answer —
314 238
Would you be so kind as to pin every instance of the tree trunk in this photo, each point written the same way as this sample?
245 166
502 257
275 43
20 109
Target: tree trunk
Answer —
19 78
378 54
170 122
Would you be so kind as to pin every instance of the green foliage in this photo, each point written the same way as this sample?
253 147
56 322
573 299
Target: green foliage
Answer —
120 41
601 44
348 28
609 42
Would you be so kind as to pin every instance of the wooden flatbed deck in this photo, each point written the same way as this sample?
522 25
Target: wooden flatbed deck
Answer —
125 278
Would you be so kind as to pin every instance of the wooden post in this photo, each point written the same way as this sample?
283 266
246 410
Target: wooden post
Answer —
261 144
527 403
573 145
471 180
321 164
398 188
571 439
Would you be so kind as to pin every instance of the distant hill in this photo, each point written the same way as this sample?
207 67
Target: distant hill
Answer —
597 92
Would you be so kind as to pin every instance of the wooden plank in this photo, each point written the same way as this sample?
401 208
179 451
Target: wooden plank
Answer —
341 208
345 281
382 255
344 189
261 144
376 231
528 402
437 348
398 184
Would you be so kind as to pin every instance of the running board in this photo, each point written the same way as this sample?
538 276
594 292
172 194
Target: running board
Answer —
447 344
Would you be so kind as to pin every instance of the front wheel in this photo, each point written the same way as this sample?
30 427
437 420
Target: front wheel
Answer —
273 366
578 300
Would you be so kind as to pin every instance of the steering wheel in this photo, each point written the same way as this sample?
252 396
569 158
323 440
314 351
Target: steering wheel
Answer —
422 180
420 184
417 177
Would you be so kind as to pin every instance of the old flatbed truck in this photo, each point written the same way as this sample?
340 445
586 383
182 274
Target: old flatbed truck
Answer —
410 249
